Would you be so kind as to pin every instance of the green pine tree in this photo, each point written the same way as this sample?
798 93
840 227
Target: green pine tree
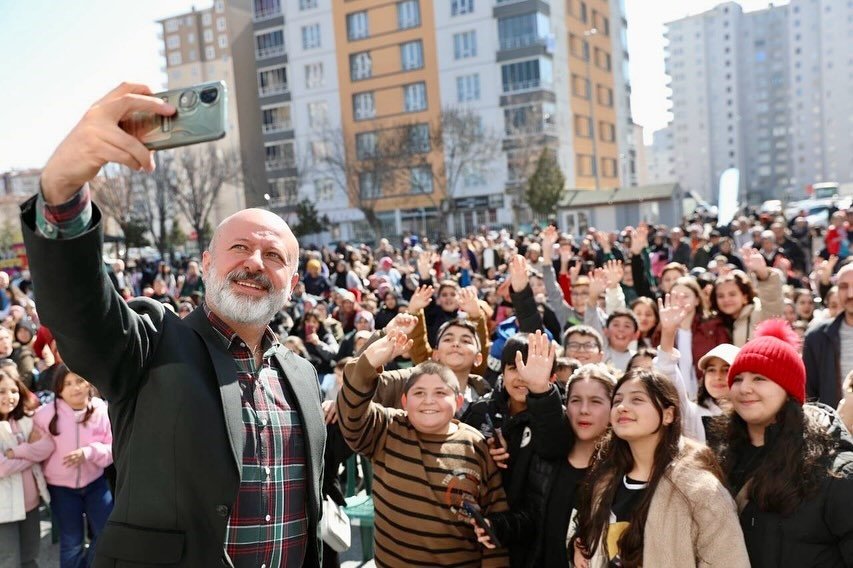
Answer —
545 187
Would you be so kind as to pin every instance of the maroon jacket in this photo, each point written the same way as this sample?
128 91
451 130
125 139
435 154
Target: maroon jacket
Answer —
707 334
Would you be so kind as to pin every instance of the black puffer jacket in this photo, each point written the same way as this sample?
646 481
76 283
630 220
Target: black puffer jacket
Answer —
534 437
820 532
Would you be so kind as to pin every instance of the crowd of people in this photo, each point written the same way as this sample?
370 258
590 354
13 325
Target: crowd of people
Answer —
657 396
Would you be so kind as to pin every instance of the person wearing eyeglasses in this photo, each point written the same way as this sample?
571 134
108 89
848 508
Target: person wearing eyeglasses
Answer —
584 343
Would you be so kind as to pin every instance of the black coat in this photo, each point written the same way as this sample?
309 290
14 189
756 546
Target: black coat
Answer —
540 434
819 533
174 405
822 357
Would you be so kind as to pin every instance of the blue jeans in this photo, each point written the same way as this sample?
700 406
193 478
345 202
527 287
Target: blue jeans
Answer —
68 506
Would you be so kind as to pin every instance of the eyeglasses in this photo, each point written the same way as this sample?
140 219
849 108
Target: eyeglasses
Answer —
575 346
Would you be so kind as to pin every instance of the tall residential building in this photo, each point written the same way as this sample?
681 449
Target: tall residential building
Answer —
660 158
314 77
754 91
197 48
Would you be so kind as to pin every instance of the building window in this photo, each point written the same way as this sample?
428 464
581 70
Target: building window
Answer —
368 186
209 52
311 36
173 42
208 36
420 179
364 106
415 97
284 191
175 58
220 24
223 41
190 37
269 44
468 88
602 59
461 7
585 165
526 75
408 14
583 126
219 6
206 19
313 75
608 167
319 151
324 190
418 136
365 145
276 119
580 86
577 46
412 55
360 66
465 45
523 31
193 55
279 155
173 25
317 114
604 95
272 81
266 9
357 25
307 4
606 131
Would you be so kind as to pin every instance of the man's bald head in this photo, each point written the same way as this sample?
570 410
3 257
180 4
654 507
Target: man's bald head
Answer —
255 219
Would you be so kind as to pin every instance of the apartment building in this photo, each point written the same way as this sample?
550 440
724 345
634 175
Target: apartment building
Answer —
197 49
764 92
313 77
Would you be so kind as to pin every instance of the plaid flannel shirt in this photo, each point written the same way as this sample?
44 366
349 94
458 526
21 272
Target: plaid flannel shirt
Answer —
269 522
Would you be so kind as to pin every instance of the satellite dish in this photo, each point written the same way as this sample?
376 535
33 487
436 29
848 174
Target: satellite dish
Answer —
727 203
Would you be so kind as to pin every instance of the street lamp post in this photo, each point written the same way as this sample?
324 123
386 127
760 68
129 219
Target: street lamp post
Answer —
588 49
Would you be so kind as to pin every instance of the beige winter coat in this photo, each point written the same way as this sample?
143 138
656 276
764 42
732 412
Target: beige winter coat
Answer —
768 304
692 520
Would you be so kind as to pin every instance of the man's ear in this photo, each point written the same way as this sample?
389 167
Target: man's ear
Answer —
205 261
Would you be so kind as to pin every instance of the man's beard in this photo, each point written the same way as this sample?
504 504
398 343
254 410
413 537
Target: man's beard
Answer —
243 309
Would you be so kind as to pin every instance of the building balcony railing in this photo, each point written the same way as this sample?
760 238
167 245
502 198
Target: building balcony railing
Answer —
270 51
266 12
279 164
519 42
522 86
276 127
284 201
273 89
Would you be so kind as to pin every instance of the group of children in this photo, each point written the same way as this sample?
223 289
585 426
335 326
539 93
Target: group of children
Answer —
56 455
603 470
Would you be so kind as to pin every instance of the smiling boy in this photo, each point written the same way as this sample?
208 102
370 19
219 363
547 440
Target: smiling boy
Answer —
425 462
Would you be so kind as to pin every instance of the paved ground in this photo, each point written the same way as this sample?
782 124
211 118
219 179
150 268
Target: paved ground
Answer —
49 555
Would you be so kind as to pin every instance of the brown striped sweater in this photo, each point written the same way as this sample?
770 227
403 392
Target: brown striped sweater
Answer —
416 475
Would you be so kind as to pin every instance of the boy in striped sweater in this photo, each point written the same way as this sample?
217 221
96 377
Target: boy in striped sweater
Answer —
425 462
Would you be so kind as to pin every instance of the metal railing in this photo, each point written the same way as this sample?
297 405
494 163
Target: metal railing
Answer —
276 127
531 85
271 51
279 164
267 12
518 42
273 89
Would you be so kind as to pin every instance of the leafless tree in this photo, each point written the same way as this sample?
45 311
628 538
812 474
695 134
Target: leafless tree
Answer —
363 170
157 203
195 177
117 191
469 148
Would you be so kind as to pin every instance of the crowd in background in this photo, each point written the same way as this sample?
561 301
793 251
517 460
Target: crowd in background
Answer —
729 347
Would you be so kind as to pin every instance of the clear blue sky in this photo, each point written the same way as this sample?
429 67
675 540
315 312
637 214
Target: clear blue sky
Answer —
59 56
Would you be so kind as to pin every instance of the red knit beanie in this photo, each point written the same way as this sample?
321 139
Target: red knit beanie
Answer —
772 353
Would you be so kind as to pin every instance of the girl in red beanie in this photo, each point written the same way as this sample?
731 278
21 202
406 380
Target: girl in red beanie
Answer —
790 466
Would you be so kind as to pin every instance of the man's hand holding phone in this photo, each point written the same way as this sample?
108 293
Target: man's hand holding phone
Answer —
97 139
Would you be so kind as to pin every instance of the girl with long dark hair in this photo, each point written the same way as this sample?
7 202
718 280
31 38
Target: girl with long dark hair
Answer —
789 465
654 499
79 426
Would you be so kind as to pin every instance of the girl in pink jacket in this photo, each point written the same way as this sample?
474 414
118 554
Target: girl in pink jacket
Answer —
78 424
22 446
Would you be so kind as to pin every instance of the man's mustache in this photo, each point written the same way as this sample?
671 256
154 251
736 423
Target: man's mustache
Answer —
258 278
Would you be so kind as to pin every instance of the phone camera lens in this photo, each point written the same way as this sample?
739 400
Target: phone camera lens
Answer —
209 96
187 100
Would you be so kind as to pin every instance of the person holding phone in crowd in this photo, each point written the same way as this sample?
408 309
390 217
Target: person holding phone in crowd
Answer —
250 494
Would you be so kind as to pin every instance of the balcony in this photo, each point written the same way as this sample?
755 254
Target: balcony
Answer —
524 86
276 127
262 13
270 51
523 41
273 89
279 164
